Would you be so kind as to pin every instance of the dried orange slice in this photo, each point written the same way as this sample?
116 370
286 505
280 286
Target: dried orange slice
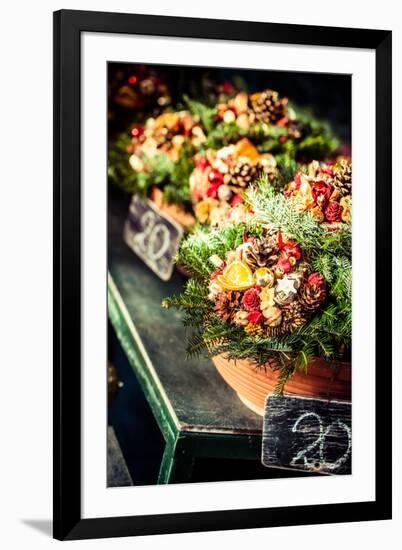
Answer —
244 148
236 276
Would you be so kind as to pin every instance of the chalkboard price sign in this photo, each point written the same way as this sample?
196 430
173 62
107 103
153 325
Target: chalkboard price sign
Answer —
313 435
153 236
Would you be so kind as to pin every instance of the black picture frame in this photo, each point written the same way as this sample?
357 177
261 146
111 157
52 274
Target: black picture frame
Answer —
68 27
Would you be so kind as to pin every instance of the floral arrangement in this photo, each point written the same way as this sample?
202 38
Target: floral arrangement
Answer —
273 125
220 177
324 190
159 153
275 290
264 286
217 151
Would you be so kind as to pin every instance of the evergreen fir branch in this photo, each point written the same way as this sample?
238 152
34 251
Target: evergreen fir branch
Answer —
277 212
206 115
195 345
171 177
286 373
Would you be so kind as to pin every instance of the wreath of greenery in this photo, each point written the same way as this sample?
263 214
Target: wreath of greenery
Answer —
317 139
317 142
327 334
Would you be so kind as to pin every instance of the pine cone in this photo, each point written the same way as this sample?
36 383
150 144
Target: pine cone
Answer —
275 332
253 329
293 316
343 177
311 296
243 172
262 253
268 107
226 304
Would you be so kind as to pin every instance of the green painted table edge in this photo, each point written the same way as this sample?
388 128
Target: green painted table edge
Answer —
182 446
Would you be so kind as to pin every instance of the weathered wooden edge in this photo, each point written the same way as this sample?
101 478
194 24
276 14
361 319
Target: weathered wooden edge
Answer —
140 362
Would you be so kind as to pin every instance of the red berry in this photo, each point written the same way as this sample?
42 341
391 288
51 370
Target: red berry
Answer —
137 131
215 177
212 191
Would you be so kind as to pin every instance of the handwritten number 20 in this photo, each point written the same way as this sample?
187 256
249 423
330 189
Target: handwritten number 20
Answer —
319 443
148 239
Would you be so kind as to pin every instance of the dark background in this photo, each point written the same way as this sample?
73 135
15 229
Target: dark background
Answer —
328 96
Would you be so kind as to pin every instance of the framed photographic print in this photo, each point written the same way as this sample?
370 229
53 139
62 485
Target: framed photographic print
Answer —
209 277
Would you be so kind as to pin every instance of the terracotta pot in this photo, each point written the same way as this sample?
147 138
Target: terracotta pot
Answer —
253 384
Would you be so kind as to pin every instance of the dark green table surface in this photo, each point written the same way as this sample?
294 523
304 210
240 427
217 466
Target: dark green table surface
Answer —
197 412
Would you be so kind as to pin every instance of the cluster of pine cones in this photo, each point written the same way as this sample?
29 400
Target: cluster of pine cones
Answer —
244 172
288 314
310 298
268 106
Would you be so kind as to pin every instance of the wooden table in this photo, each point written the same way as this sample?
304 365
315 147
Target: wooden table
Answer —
198 414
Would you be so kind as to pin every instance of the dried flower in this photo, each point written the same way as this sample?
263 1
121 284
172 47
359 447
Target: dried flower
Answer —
316 279
251 299
273 316
240 318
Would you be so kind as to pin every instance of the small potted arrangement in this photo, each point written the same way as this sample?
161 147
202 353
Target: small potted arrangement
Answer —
220 178
156 160
270 300
250 135
274 125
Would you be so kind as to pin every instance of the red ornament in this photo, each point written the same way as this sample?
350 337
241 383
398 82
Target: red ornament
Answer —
137 131
321 192
226 87
254 317
212 191
333 212
133 79
251 299
316 279
215 177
